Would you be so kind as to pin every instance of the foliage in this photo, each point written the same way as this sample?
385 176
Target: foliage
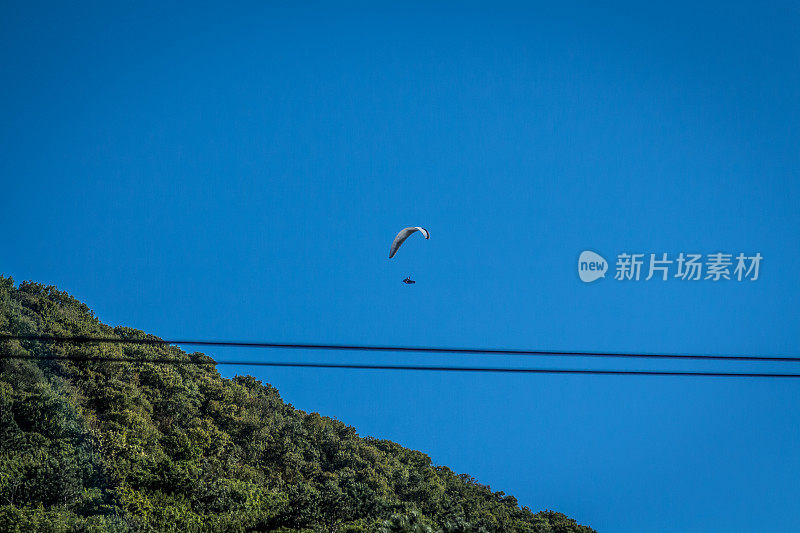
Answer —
116 445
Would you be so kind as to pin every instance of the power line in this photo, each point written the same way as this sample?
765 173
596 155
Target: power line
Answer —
406 349
406 367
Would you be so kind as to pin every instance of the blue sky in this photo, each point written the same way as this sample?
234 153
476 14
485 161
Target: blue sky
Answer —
238 172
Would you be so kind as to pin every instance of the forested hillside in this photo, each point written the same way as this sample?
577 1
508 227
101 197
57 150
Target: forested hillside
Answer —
99 445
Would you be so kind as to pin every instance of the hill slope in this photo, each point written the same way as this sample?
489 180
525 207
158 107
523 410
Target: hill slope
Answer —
124 446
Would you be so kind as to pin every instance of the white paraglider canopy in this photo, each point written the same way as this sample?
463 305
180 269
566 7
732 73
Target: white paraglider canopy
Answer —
405 234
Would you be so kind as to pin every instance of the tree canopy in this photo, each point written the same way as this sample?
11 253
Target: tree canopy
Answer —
104 445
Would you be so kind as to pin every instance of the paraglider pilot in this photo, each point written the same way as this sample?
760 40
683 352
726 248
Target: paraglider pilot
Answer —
400 238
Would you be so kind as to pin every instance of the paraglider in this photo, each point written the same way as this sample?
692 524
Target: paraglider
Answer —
401 238
405 234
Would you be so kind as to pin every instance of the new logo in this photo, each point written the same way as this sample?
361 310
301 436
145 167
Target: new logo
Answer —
591 266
